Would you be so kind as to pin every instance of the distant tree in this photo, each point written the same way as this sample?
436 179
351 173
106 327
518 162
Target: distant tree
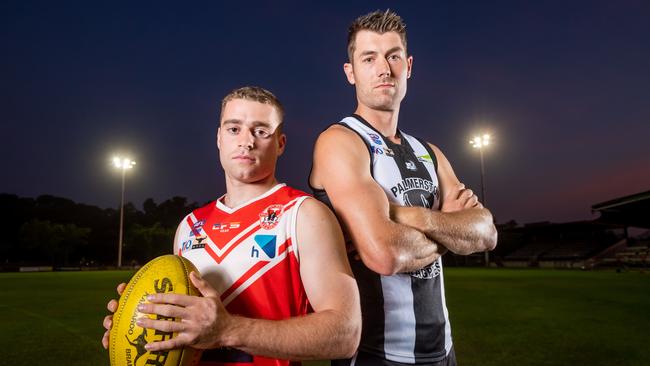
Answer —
143 243
168 213
51 243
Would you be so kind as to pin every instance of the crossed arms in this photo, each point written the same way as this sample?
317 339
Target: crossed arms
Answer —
389 238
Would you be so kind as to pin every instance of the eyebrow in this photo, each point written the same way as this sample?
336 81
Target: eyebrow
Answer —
370 53
240 122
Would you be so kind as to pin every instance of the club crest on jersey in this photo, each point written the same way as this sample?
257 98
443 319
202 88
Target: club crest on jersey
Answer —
270 216
429 272
375 138
410 165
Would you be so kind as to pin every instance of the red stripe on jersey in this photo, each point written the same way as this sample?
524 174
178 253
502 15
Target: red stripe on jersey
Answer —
244 213
284 246
192 229
243 278
218 258
254 269
276 295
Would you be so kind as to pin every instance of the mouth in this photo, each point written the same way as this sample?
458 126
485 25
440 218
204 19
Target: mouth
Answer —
385 86
244 158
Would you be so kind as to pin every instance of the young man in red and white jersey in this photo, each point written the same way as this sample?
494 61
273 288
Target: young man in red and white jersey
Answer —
268 254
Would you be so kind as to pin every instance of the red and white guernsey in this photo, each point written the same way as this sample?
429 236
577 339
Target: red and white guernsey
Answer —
250 256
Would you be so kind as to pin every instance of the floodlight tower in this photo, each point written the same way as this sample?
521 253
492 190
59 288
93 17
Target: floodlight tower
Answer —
123 164
480 142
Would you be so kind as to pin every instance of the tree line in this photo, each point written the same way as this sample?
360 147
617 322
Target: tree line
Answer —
58 232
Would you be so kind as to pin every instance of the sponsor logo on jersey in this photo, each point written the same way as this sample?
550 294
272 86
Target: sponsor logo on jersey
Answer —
375 138
186 245
197 227
267 243
425 159
376 150
428 272
416 192
224 227
410 165
270 216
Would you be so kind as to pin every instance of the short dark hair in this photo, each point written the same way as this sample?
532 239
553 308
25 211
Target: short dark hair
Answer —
256 94
378 21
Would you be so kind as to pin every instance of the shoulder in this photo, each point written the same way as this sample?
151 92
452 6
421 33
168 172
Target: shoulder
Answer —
293 193
313 213
340 135
340 144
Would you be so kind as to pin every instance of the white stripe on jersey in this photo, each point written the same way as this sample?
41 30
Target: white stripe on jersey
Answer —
257 275
399 333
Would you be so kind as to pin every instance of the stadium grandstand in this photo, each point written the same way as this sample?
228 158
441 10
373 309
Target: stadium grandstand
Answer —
601 243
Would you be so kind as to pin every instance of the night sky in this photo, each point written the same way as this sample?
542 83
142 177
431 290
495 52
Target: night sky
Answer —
563 87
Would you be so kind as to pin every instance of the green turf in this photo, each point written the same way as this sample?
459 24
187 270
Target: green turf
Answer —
499 317
547 317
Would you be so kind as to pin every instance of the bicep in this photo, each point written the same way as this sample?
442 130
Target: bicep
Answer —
446 177
324 267
342 163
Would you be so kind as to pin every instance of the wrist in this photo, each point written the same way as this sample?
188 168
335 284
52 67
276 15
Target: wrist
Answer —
232 331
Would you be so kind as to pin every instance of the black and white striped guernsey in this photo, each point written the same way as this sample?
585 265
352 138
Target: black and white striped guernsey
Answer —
405 318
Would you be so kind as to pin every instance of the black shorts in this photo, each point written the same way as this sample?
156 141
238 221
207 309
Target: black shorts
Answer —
367 359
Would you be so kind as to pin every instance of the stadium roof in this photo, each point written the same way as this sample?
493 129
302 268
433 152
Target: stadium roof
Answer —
632 210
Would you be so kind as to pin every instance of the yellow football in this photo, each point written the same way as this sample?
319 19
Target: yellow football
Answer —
165 274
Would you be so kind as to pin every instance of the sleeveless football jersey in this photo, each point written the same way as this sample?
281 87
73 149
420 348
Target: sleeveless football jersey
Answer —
405 318
249 255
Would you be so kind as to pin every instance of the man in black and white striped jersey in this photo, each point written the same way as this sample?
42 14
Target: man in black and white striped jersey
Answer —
400 203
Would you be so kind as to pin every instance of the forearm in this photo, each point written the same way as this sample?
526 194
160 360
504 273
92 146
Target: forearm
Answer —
327 334
412 249
462 232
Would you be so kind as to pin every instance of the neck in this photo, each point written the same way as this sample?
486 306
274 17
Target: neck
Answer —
384 121
238 192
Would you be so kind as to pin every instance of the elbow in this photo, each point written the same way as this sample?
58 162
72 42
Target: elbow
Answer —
381 258
351 343
490 237
487 231
384 262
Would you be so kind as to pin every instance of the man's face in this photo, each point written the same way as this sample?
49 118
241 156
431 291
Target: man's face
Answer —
379 69
249 145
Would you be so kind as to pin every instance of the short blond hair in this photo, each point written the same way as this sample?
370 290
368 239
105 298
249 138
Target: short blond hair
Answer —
256 94
378 21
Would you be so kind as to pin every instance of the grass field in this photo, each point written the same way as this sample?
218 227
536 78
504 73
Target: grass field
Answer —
499 317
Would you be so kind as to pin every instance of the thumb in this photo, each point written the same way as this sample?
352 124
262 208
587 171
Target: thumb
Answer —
203 286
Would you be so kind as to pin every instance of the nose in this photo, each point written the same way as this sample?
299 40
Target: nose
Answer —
383 67
246 140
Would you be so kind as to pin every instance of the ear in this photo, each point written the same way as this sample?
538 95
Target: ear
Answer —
349 72
409 66
282 142
219 138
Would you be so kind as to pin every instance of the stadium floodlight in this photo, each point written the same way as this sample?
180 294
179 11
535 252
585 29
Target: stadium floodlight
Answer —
123 164
480 142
